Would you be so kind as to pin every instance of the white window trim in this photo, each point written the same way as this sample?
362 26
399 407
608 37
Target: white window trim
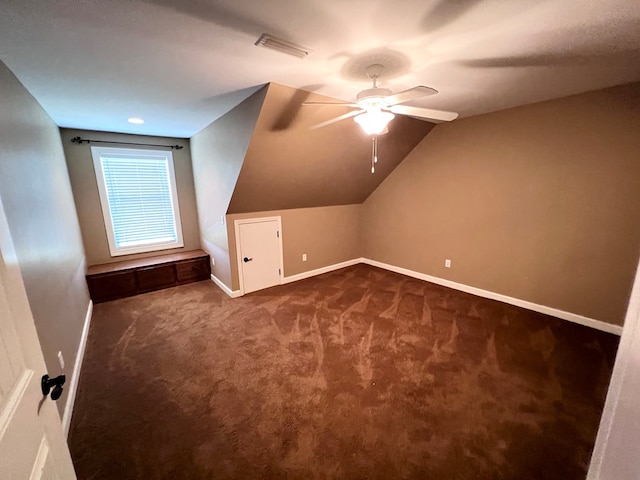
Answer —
96 153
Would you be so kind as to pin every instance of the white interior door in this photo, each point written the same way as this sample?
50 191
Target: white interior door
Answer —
32 444
260 253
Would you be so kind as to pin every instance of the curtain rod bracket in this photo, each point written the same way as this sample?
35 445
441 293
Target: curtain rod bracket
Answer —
80 141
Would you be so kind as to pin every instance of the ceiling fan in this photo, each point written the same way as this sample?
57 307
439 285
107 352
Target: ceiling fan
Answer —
375 108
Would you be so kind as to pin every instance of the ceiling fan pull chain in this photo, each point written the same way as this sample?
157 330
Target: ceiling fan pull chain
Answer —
374 153
375 149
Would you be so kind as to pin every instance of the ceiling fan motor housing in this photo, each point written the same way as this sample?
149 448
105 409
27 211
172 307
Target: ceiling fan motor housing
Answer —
373 98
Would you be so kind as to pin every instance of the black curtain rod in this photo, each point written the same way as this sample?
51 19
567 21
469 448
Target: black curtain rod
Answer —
81 140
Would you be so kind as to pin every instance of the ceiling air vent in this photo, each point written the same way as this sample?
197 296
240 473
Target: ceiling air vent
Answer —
269 41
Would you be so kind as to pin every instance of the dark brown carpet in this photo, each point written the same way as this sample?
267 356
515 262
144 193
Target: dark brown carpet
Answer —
356 374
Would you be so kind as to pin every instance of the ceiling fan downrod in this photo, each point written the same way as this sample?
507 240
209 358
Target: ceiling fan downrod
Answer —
374 72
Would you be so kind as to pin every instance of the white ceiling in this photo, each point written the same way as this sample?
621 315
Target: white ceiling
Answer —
182 64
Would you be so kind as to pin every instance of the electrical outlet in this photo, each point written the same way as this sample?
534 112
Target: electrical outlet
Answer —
304 257
222 219
61 360
213 262
447 263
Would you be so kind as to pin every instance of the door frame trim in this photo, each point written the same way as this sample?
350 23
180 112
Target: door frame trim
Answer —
75 376
236 226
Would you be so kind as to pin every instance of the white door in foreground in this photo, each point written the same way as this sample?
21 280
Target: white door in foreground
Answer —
616 455
260 253
32 443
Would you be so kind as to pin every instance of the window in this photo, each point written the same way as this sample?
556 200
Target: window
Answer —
139 201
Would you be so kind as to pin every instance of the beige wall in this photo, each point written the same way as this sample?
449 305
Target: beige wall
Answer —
328 235
538 203
35 191
87 199
289 164
217 154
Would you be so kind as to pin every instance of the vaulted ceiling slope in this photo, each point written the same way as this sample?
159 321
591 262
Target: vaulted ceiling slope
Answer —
290 164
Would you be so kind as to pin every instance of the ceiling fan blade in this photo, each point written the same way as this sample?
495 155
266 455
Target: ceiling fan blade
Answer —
426 113
337 119
331 103
411 94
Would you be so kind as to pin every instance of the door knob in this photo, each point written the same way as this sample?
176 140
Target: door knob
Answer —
47 383
247 259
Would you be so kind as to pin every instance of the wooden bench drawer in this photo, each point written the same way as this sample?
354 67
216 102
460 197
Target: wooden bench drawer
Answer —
193 270
156 277
111 286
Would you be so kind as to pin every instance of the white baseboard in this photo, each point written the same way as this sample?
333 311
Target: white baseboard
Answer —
554 312
572 317
75 376
224 288
320 271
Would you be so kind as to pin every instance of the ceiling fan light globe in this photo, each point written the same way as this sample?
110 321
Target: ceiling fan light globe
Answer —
374 122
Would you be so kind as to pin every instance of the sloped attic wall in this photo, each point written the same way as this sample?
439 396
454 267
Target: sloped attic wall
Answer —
263 156
289 165
217 154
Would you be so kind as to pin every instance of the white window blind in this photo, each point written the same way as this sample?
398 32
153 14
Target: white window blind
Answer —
139 201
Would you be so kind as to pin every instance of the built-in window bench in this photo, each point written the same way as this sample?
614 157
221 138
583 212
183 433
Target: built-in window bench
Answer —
131 277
